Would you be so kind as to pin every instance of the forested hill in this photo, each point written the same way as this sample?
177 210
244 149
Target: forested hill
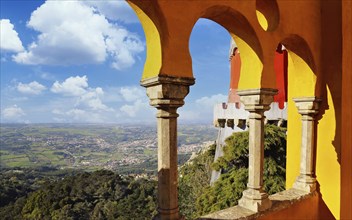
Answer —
108 195
97 195
198 198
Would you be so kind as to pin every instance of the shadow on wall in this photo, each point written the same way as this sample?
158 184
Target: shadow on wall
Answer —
316 206
331 65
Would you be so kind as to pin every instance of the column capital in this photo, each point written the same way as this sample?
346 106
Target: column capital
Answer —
257 100
167 91
307 105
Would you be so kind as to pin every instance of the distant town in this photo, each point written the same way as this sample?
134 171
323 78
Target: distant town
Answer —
124 148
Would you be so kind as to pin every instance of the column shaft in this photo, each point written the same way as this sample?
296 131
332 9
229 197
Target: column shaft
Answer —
256 151
167 163
256 101
308 108
167 93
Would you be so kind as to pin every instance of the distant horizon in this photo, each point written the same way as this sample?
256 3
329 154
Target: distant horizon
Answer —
82 61
100 123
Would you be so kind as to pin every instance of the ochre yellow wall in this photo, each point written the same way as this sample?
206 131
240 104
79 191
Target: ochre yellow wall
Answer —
304 27
327 165
152 65
305 210
262 20
251 66
301 82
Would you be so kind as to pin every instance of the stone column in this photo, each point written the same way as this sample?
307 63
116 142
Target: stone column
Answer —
256 101
308 107
167 94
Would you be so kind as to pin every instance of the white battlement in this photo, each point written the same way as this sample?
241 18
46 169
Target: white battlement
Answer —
234 116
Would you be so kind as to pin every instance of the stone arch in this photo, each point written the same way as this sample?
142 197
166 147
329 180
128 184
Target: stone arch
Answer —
153 37
268 14
302 71
168 41
247 41
299 46
302 80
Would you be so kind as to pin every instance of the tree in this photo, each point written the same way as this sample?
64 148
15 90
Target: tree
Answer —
97 195
228 189
194 177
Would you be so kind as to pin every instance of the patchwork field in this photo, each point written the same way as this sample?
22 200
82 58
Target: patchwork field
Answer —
91 147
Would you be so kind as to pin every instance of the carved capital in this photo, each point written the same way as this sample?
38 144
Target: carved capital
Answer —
307 106
166 91
257 100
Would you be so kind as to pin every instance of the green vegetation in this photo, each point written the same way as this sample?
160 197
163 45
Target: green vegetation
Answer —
51 193
194 176
198 198
97 195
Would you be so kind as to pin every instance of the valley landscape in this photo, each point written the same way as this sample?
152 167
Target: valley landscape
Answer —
87 171
81 171
128 149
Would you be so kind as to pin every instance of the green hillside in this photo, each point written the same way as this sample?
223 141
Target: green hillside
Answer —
70 194
197 197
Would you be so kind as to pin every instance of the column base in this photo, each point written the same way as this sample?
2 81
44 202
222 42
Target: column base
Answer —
255 200
168 214
305 183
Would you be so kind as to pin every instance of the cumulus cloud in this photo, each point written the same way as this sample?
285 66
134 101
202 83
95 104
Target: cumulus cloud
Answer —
134 109
92 99
209 102
33 88
9 40
73 33
78 88
201 110
72 86
78 115
137 105
132 93
115 10
13 112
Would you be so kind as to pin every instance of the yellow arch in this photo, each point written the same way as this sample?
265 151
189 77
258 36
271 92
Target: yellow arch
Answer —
153 61
247 42
301 83
251 66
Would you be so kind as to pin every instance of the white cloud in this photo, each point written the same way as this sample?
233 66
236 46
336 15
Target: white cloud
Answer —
78 115
73 33
9 40
137 107
13 112
209 102
72 86
112 95
201 110
132 93
33 88
115 10
85 96
93 100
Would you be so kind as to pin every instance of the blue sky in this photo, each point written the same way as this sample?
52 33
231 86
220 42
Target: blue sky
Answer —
81 62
